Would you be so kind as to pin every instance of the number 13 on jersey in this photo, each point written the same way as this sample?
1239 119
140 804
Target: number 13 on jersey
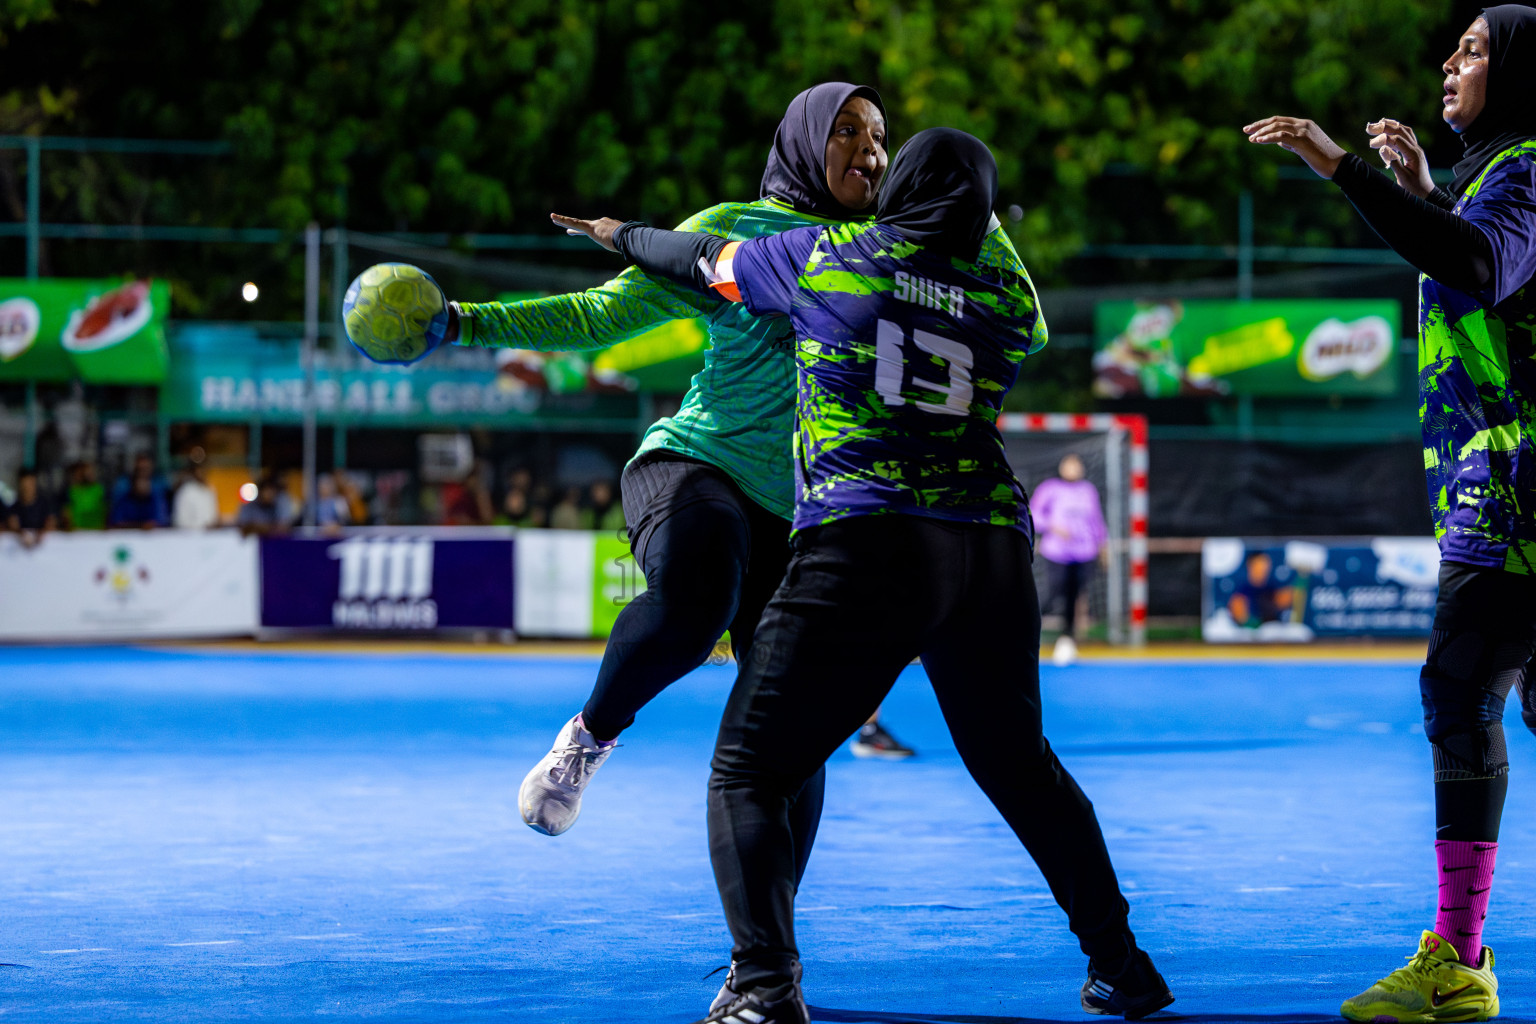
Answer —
891 368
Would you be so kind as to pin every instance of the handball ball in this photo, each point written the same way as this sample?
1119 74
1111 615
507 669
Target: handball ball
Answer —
395 313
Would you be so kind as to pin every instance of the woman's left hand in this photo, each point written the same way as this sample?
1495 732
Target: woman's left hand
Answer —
600 230
1400 150
1300 136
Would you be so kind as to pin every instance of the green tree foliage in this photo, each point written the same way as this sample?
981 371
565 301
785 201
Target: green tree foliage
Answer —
482 115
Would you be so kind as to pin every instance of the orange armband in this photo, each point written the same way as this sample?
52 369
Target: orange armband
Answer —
722 277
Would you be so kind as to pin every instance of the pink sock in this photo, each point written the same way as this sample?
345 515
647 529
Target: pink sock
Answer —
1466 875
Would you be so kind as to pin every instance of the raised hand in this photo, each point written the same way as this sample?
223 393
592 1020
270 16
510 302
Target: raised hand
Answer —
1300 136
600 230
1400 150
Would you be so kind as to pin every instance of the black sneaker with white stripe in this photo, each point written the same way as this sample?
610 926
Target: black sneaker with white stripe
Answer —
728 991
1133 992
873 740
783 1005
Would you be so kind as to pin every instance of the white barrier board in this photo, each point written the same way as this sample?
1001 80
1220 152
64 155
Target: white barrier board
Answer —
553 582
128 584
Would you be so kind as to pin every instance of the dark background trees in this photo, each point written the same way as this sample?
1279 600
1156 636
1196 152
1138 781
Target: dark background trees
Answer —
1113 120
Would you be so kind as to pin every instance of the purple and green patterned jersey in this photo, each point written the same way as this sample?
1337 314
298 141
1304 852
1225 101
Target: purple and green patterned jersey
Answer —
904 356
1477 381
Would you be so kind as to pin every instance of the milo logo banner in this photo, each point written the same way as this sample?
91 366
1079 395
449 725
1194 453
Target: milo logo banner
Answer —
1298 590
101 332
1278 347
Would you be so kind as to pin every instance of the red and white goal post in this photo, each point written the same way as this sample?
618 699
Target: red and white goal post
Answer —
1113 447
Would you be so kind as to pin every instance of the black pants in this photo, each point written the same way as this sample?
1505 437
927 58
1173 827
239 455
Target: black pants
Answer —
1067 580
862 598
712 557
1484 635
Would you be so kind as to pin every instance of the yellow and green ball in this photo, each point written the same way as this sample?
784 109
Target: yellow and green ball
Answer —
395 313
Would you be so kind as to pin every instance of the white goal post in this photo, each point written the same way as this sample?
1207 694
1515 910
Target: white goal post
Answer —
1113 447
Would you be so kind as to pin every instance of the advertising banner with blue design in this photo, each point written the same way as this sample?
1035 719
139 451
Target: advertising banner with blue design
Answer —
1300 590
407 581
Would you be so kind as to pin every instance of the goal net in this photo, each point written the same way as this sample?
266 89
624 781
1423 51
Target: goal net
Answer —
1113 449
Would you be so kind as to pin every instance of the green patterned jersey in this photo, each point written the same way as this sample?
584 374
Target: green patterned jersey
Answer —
738 414
904 357
1477 381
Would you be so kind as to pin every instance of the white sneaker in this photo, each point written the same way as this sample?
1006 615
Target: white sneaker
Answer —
1065 652
550 797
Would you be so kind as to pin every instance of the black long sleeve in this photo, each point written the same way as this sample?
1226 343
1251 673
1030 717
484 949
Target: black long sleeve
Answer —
1438 243
674 255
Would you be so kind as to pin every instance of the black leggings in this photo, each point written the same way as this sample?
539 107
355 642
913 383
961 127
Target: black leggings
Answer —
1484 636
712 557
862 598
1066 580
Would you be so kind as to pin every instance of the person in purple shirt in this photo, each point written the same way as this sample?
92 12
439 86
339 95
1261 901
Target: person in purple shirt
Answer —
1069 527
1475 247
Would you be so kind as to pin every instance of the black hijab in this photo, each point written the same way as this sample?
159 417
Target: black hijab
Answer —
797 164
1509 108
939 192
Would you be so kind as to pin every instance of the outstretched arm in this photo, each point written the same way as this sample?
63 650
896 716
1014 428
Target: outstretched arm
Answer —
675 255
1446 247
630 304
761 273
626 306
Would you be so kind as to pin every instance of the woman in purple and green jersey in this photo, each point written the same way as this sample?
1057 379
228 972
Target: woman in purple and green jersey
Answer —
1475 246
909 333
707 498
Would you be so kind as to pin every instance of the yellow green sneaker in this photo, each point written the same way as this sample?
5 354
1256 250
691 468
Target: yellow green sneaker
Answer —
1435 986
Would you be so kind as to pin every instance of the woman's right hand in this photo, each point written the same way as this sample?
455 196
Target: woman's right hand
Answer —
1400 150
600 230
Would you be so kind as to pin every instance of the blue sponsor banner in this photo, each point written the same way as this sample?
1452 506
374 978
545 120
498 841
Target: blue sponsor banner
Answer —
1300 590
407 582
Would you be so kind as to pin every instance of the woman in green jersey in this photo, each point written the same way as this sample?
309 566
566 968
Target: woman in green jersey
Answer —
708 496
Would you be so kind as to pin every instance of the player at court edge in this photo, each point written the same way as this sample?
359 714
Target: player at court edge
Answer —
1475 246
708 496
911 533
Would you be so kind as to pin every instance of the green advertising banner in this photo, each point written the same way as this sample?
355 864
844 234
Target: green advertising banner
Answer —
1276 347
101 332
617 580
232 375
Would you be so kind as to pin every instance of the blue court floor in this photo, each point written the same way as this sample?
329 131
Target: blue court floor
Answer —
208 836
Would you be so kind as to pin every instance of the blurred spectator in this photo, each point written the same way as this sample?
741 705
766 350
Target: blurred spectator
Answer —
606 513
138 500
1070 525
521 479
32 515
516 511
266 513
85 500
469 503
352 494
540 498
195 506
331 511
566 514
